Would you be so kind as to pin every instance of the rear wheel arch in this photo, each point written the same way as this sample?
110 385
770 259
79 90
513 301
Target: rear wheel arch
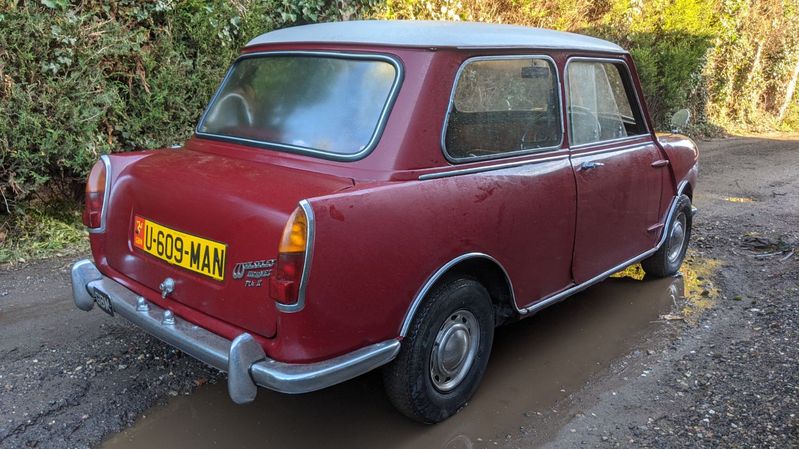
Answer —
688 190
478 266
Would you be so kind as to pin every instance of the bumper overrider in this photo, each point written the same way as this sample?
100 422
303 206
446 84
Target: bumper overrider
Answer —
243 359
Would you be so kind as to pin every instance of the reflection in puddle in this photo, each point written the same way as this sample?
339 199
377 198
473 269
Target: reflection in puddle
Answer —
738 199
534 363
700 291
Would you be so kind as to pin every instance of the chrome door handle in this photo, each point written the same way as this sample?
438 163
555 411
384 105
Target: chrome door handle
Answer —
590 165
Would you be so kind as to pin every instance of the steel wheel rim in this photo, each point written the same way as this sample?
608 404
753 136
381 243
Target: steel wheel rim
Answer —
454 350
676 238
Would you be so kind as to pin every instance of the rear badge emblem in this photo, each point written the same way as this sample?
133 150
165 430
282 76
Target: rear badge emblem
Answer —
255 271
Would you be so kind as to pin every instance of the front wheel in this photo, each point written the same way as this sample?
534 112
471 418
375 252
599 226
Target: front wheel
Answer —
667 259
445 353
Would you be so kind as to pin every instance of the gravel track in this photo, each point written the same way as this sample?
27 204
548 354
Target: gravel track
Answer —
728 378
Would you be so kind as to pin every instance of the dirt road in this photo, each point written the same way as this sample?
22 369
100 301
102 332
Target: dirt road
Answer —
707 360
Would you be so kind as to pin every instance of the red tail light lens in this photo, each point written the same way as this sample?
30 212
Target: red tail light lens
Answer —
95 196
284 284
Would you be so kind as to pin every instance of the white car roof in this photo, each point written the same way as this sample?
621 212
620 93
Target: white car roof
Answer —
424 33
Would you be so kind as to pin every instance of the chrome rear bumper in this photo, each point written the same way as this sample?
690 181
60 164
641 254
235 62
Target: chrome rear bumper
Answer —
243 358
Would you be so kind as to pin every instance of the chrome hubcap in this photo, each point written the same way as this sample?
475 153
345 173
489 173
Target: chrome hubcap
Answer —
677 238
454 350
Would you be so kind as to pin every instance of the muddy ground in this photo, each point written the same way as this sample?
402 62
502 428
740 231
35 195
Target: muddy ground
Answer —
709 359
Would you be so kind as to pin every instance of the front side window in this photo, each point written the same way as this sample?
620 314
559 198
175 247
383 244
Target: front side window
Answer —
323 104
601 103
503 106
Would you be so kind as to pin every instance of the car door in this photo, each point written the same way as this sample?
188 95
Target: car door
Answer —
617 167
504 132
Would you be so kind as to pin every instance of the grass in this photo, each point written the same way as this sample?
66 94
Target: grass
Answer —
40 233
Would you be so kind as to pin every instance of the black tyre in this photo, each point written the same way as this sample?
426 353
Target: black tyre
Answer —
444 356
667 260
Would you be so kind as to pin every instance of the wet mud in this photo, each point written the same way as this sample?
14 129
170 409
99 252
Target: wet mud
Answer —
536 363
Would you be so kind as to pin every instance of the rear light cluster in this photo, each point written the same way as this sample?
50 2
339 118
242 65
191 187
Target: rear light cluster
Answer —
95 195
286 281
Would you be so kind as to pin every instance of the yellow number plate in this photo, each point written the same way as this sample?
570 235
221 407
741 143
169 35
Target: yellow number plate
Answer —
178 248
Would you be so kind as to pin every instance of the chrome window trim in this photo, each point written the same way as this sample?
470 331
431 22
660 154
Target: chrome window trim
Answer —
633 146
417 300
647 131
485 168
106 195
546 302
306 268
451 104
376 134
612 141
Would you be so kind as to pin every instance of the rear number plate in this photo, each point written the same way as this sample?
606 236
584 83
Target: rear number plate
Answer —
193 253
103 301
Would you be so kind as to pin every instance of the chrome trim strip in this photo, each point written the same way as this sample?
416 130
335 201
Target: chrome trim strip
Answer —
379 128
243 362
417 300
635 92
451 104
104 214
485 168
612 141
546 302
306 267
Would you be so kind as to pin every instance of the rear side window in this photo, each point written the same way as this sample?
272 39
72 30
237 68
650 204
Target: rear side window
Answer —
602 104
503 106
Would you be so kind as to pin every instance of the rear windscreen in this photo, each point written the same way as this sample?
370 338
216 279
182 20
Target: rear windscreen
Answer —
323 104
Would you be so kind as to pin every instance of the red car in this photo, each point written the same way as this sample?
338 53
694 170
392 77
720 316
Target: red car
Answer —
377 193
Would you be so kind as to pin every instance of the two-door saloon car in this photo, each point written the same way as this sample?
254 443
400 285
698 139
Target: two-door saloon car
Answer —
386 193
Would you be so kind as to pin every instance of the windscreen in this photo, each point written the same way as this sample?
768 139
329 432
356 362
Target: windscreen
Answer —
326 104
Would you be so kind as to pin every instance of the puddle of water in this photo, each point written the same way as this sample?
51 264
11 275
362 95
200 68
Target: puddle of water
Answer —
532 362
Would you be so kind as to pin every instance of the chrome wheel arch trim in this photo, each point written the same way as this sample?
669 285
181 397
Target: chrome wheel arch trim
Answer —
437 275
557 297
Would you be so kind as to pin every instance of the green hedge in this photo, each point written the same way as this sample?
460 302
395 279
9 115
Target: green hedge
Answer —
83 78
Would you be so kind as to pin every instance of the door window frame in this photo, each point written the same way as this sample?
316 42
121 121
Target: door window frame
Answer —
638 110
451 105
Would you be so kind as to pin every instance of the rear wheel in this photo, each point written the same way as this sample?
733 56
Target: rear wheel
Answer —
444 356
667 259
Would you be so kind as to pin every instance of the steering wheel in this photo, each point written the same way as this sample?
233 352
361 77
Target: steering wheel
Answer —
591 118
